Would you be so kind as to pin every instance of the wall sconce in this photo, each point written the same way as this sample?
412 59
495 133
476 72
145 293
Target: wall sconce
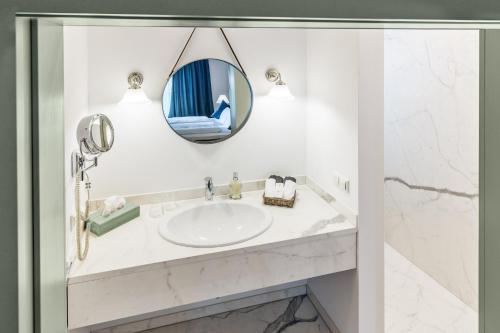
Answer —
280 89
135 94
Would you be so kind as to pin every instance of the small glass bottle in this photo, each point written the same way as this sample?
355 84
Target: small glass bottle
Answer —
235 187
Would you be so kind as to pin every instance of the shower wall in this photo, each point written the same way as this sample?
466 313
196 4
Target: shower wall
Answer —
432 154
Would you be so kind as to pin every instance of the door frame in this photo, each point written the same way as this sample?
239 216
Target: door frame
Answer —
488 308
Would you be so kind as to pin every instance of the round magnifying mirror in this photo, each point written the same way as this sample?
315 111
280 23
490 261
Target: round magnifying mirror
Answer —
96 134
207 101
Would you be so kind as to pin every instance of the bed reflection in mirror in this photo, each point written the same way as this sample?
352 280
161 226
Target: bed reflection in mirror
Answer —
207 101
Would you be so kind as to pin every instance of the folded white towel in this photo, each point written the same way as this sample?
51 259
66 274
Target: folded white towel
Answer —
270 188
280 188
289 190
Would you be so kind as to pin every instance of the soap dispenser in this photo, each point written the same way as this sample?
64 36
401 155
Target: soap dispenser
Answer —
235 187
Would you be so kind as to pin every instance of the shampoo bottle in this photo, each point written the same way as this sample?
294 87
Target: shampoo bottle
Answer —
235 187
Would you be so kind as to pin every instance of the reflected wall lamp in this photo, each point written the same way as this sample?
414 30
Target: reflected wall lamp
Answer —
222 98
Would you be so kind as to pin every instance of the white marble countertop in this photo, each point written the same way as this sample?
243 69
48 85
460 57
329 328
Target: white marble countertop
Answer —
138 246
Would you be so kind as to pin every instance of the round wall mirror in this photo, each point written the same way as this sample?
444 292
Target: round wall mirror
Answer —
207 101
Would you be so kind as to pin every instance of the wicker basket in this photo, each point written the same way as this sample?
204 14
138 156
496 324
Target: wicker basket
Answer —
279 202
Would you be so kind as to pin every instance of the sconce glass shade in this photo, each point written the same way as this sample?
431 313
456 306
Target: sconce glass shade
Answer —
222 98
281 92
135 94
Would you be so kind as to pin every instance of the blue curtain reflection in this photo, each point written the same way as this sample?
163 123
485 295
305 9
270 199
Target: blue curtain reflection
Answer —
192 91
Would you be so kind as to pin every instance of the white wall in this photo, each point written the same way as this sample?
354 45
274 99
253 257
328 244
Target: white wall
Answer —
148 156
345 127
332 92
75 107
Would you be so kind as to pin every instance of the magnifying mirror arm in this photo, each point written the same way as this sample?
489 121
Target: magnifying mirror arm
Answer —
82 162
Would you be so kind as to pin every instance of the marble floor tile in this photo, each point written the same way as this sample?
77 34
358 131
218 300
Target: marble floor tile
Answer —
292 315
416 303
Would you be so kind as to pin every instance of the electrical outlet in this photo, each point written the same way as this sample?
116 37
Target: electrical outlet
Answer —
342 182
347 185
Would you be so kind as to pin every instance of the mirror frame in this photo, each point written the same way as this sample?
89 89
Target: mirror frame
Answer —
85 137
232 133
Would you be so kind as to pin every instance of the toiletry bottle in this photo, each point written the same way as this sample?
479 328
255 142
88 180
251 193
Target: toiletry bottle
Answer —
235 187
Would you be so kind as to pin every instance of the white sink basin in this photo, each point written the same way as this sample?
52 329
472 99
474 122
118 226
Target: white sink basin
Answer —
215 224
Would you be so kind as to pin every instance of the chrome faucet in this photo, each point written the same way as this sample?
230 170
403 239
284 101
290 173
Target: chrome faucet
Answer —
209 188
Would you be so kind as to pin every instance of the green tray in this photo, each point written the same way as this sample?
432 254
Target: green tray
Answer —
99 225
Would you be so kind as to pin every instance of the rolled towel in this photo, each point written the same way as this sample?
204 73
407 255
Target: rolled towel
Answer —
277 178
289 190
291 178
109 206
280 188
112 204
119 203
270 188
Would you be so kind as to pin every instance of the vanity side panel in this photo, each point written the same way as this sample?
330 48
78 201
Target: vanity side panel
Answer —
135 294
337 295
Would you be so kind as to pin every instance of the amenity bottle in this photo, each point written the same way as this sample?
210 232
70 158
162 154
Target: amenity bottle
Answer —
235 187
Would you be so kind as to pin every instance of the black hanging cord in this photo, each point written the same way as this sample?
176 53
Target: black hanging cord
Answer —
231 48
182 52
189 39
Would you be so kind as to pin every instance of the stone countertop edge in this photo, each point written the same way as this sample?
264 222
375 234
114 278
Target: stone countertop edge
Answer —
210 256
349 229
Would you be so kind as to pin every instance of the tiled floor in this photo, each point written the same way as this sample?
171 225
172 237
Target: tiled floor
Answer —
293 315
416 303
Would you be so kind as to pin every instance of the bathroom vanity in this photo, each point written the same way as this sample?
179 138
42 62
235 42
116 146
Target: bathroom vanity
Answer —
134 273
